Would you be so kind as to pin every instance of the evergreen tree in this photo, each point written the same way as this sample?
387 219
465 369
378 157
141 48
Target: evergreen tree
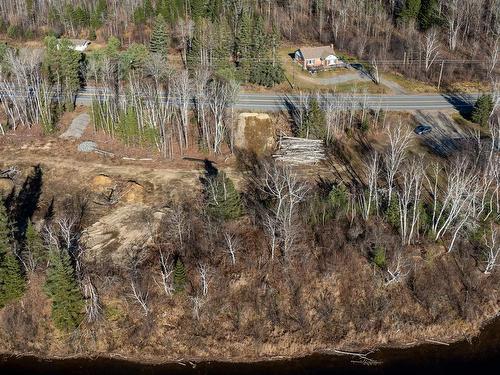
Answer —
148 9
223 200
242 47
133 58
428 15
260 46
62 288
12 283
214 9
63 65
193 53
482 110
179 276
314 124
113 47
197 8
339 198
222 50
34 244
159 37
98 15
266 73
392 213
409 10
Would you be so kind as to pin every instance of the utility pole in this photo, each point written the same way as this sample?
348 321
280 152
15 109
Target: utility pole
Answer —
440 74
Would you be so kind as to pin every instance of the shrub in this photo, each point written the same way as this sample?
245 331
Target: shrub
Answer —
223 200
378 257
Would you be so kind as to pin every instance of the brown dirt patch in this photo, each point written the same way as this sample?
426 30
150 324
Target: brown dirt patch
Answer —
133 193
255 133
6 186
101 183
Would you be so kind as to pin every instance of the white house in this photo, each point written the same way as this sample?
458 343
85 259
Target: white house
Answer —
80 45
317 57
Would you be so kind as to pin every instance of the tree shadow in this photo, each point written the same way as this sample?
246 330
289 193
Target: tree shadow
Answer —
293 111
463 103
25 204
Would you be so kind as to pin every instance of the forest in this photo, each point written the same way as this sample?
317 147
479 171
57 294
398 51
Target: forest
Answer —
405 35
391 240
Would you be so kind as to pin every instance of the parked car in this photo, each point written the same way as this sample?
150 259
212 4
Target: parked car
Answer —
423 129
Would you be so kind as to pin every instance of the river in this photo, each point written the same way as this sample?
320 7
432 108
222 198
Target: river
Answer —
481 355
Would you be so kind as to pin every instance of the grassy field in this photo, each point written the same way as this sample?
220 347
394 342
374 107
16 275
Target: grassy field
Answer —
410 85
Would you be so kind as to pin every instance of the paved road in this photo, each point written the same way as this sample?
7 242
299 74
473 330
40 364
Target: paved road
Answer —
279 102
400 102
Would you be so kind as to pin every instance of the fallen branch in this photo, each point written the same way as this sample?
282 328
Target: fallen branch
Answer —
361 358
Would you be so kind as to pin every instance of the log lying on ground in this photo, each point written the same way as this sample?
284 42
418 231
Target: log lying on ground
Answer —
300 150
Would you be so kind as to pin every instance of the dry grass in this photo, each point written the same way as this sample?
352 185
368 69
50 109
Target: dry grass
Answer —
411 85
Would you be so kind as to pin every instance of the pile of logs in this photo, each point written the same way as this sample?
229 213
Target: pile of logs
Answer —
300 150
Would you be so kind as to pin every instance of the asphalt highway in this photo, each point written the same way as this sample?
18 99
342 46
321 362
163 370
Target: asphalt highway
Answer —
278 102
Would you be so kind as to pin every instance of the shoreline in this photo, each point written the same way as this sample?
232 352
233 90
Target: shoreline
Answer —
334 352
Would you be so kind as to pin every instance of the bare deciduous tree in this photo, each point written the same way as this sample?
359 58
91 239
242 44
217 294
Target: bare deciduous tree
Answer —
399 141
182 98
397 270
232 245
410 199
431 47
282 185
369 196
205 275
492 243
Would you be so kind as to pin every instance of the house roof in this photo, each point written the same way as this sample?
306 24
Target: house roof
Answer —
79 42
317 52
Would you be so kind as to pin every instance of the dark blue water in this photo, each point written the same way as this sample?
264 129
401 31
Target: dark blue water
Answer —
480 356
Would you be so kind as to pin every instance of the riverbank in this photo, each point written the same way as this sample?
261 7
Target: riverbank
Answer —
481 352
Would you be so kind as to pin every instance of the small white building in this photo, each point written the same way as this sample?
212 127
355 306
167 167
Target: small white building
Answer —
313 58
79 45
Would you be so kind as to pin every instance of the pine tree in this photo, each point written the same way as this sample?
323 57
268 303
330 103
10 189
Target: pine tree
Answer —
4 228
113 47
62 64
179 276
222 51
62 288
193 53
314 124
392 213
214 9
242 47
159 37
260 46
223 200
197 8
265 73
34 244
482 110
409 10
12 283
339 198
428 15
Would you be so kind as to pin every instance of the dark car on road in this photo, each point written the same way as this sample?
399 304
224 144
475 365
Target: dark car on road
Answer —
423 129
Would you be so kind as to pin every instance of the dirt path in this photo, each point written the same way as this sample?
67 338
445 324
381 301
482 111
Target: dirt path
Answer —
77 127
70 167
